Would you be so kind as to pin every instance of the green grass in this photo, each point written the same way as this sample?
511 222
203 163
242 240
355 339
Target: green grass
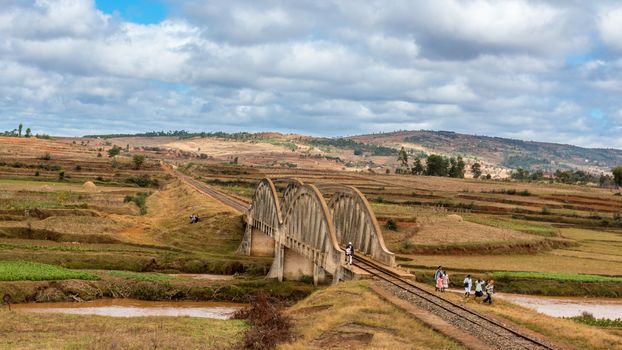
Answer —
31 271
571 277
539 229
245 192
140 276
589 319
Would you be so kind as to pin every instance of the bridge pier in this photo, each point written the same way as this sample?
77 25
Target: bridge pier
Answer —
290 265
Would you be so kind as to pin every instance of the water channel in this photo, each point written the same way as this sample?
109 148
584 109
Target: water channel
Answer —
136 308
567 306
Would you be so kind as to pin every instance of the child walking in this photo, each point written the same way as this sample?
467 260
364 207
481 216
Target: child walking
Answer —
439 282
490 290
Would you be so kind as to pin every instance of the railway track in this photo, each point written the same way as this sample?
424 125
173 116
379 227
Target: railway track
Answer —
491 331
226 199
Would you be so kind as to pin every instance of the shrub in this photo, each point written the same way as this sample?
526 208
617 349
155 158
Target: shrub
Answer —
140 199
269 326
143 181
391 224
46 156
138 160
61 175
589 319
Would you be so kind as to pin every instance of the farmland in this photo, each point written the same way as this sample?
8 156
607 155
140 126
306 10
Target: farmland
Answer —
108 228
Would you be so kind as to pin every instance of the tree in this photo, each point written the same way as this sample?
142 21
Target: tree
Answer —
436 165
402 158
563 176
456 167
476 169
114 151
358 152
138 160
605 180
19 129
28 133
418 168
520 174
617 175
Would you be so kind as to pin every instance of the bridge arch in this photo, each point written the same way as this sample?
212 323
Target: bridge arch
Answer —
310 228
355 222
265 212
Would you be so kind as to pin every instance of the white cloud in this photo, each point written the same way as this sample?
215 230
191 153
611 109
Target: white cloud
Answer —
610 27
324 67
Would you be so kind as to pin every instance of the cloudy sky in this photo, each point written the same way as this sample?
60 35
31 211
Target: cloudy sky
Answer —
535 70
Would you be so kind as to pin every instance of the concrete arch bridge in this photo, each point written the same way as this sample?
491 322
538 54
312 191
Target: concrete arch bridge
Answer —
307 235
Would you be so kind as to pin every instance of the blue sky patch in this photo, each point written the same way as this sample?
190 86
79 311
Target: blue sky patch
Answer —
137 11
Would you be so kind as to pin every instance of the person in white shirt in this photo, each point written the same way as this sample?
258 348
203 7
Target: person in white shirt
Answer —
468 284
479 290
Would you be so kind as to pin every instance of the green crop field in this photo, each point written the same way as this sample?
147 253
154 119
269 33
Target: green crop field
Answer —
556 276
31 271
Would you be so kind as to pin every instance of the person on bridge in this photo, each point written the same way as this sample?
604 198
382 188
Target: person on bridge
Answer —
468 284
349 253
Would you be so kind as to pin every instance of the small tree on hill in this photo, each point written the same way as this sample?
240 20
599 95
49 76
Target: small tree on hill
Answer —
476 170
418 168
456 167
114 151
617 175
138 160
436 165
402 158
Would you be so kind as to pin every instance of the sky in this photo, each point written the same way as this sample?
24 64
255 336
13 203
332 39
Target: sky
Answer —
548 70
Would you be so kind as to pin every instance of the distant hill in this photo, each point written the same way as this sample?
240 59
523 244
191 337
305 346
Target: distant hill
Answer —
508 153
497 154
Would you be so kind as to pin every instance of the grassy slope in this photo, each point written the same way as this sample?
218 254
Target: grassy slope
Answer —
353 307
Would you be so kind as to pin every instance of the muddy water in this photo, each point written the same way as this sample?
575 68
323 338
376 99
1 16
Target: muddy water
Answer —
136 308
567 306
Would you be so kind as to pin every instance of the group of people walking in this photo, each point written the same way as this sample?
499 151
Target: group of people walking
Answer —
441 280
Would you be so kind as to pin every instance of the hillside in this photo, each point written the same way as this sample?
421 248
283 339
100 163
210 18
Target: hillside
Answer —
508 153
497 155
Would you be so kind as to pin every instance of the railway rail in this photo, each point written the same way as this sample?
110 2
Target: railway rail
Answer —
226 199
488 330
